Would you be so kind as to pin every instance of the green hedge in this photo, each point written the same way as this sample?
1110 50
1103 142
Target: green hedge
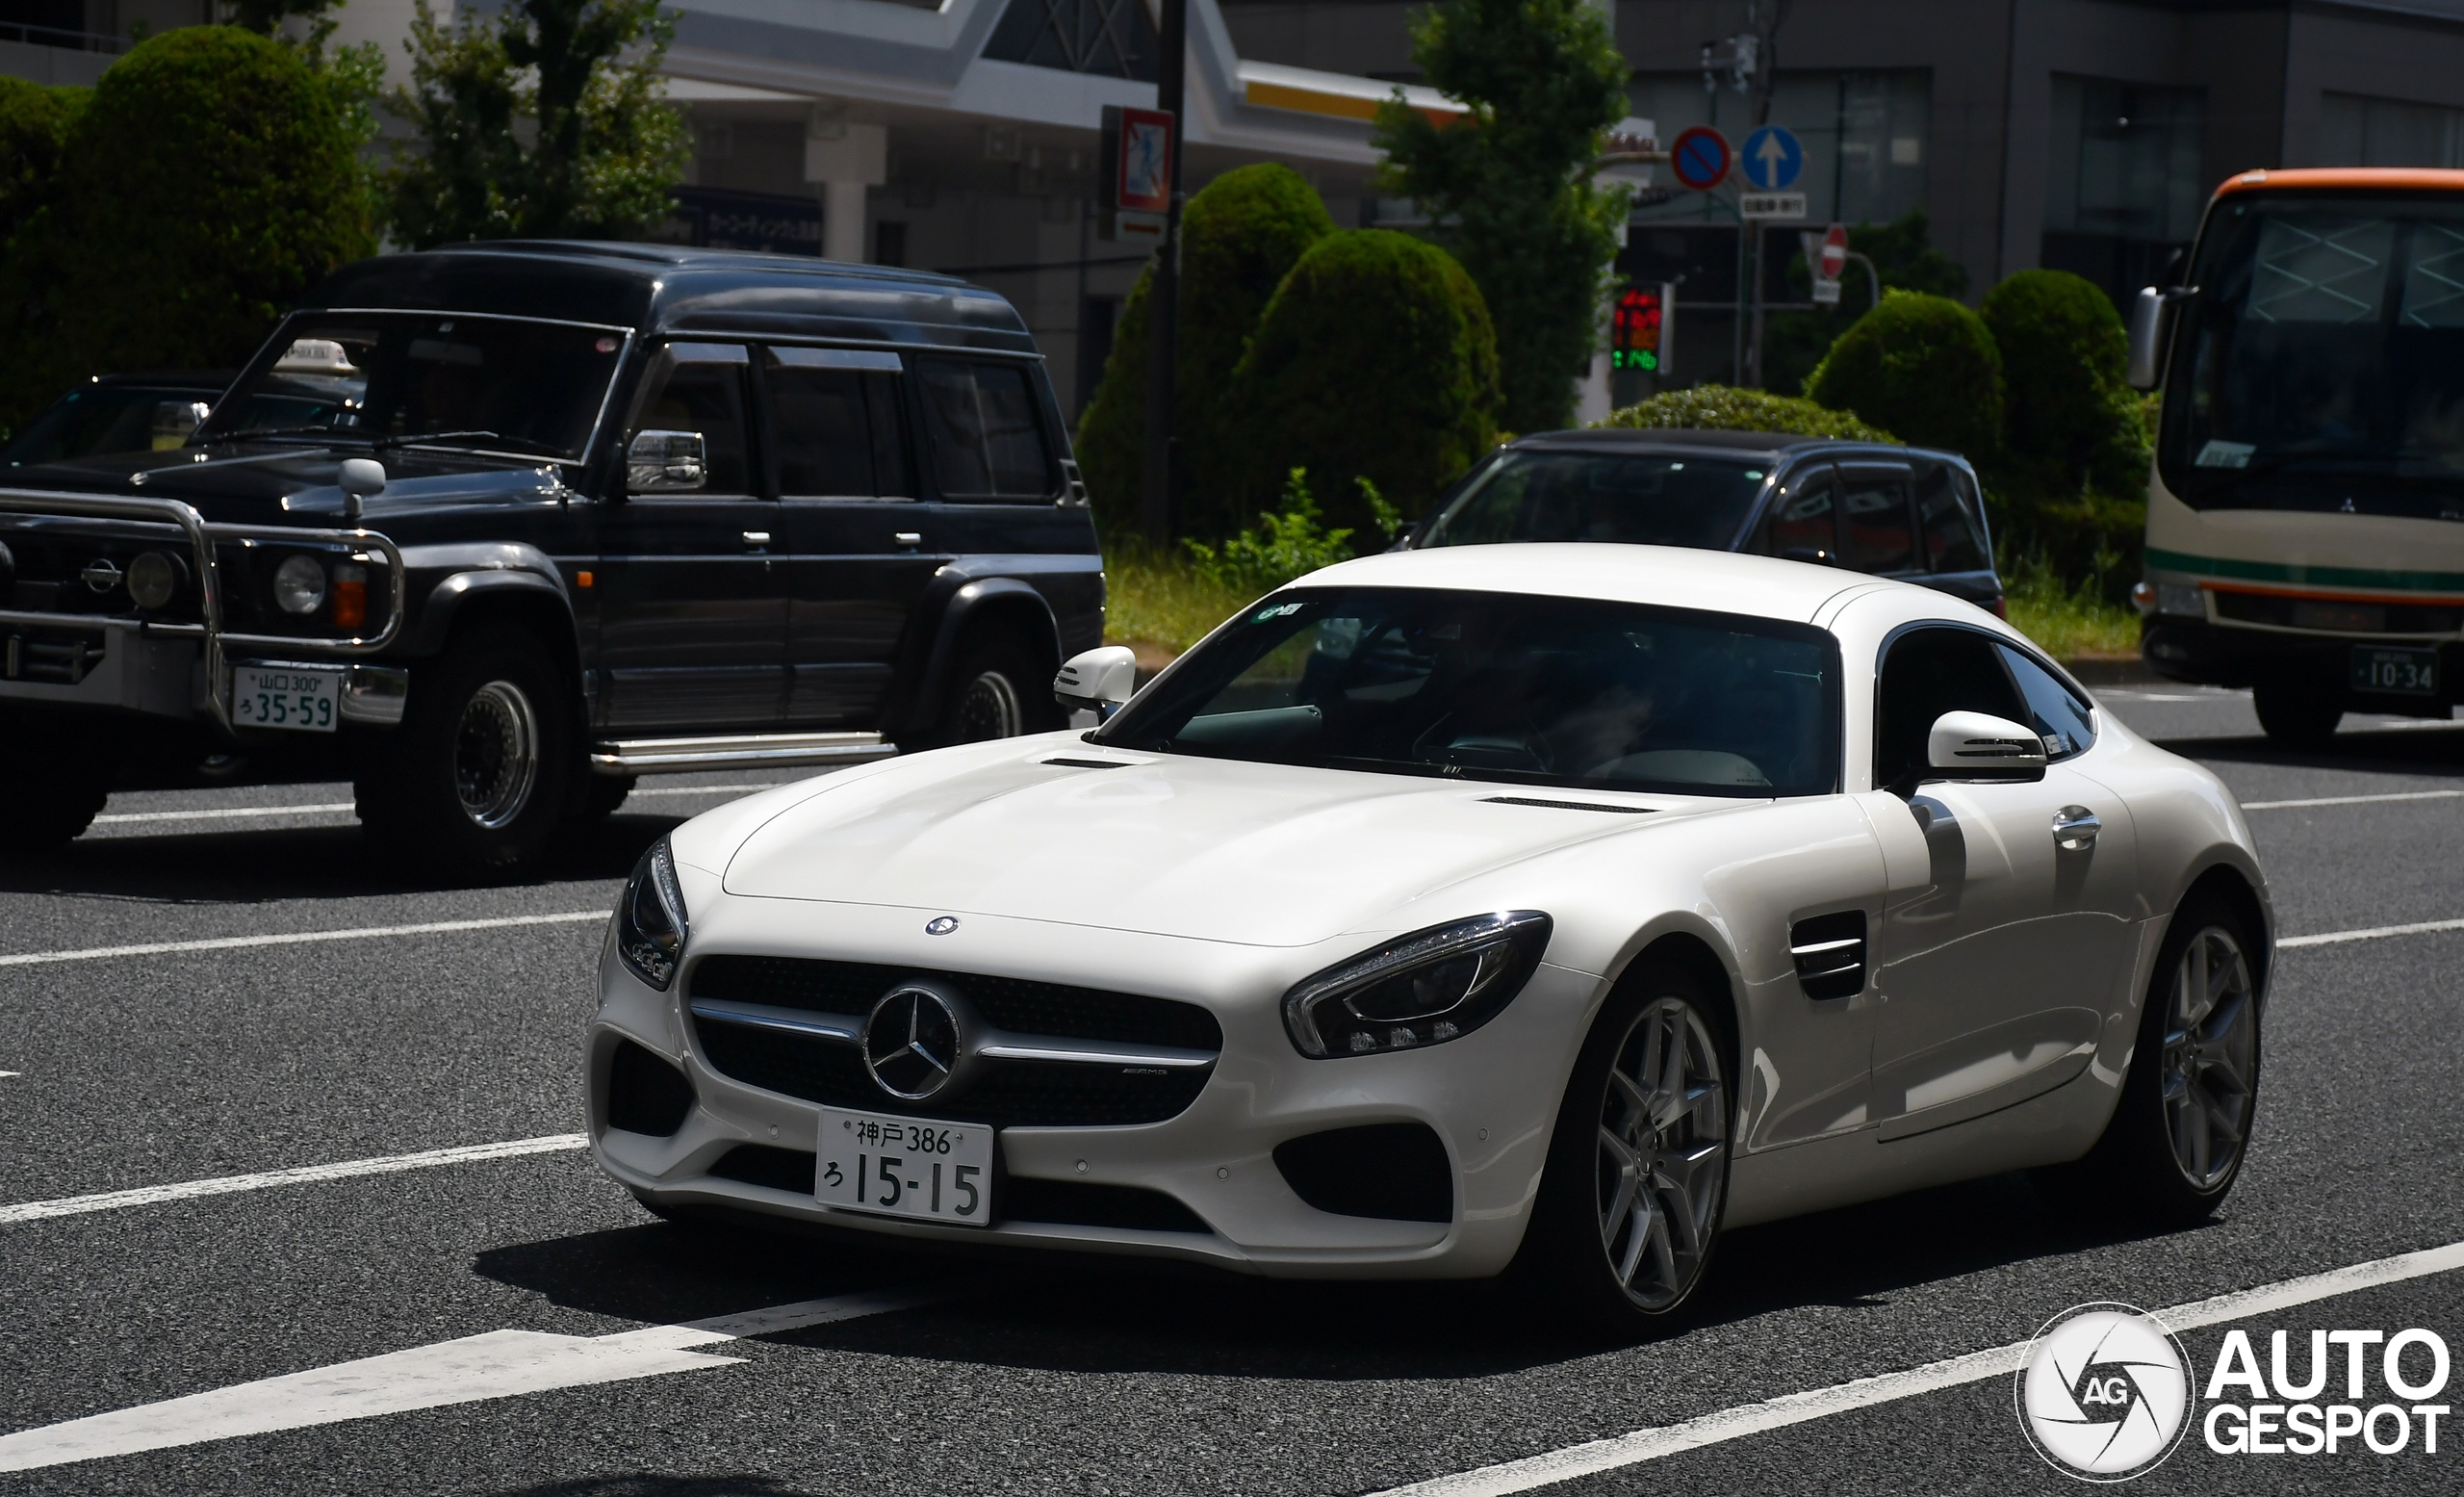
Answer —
1240 234
1922 366
1376 360
2073 479
1727 408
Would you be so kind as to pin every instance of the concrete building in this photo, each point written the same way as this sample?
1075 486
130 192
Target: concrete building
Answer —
961 134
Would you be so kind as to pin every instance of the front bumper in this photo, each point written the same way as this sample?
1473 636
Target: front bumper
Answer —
1491 1098
2203 653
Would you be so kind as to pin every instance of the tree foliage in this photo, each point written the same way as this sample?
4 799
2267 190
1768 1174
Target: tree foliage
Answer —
2073 479
1241 234
1921 366
1726 408
544 120
1376 360
1508 184
1904 258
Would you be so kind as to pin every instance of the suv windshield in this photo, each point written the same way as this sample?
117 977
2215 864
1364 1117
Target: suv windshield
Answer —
2320 360
1504 686
1639 499
493 383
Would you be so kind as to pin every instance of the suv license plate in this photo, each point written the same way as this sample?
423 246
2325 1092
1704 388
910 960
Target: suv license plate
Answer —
303 701
2403 672
908 1167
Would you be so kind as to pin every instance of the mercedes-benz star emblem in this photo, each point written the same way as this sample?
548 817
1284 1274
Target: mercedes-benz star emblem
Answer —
100 575
911 1042
940 925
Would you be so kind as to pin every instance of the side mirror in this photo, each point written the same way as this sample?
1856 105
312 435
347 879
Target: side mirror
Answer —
2149 318
666 463
359 479
1097 681
1981 746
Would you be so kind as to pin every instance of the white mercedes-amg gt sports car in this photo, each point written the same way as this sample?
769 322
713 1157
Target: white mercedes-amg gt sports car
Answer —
1552 906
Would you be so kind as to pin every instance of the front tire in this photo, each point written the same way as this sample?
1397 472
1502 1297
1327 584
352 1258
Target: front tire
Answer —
997 689
477 778
56 774
1636 1183
2297 714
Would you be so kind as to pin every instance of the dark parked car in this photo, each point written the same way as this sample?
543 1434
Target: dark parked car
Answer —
514 524
1894 511
118 413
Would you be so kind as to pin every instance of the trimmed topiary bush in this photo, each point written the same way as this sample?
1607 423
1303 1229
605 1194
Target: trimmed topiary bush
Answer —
1727 408
1240 234
1921 366
35 123
1376 360
2072 418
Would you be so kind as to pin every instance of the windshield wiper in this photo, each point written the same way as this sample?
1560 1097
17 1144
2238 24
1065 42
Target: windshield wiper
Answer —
445 438
255 433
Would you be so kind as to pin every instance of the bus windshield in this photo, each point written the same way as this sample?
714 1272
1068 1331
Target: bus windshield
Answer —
2320 361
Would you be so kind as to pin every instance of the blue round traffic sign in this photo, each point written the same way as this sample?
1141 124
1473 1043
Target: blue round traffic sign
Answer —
1700 158
1771 159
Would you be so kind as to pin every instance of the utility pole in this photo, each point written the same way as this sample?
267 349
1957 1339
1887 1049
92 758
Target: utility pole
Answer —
1764 18
1163 292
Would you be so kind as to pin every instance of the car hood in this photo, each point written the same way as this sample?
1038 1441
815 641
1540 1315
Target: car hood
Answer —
1258 854
277 484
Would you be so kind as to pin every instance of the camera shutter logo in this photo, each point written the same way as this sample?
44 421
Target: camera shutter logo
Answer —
2104 1392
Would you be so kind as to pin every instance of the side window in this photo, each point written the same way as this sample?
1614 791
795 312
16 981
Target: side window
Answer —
1953 542
821 429
1876 505
987 438
1802 526
1930 672
700 387
2067 723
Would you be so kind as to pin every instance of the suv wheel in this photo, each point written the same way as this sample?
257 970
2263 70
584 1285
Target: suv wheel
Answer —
997 689
479 773
2299 715
58 774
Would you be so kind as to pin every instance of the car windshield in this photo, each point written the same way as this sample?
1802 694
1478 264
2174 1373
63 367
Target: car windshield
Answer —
1639 499
492 383
2323 341
1508 688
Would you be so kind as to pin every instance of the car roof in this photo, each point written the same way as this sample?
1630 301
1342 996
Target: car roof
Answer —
1719 582
1691 440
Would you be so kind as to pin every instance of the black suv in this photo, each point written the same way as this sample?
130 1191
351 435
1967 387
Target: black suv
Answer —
1894 511
513 524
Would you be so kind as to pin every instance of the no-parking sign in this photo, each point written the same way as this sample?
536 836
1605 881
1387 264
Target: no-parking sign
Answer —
1700 158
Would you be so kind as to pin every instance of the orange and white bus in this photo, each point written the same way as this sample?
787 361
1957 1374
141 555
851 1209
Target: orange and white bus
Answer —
2305 522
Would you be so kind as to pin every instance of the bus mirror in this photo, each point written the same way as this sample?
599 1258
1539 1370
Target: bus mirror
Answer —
2148 319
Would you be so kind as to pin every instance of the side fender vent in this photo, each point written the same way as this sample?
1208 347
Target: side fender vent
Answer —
1831 954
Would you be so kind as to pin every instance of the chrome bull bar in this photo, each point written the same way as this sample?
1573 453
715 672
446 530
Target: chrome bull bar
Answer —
203 537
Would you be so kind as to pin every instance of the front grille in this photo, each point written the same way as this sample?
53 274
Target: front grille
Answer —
1011 1004
1009 1095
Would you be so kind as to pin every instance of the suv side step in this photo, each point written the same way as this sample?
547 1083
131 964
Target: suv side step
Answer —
737 750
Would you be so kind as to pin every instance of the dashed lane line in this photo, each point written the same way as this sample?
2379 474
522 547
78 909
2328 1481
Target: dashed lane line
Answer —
2374 933
469 1370
331 807
301 1174
299 938
1593 1457
2350 800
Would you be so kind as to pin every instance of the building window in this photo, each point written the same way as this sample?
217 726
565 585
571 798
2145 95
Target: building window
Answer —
1114 37
2354 131
1866 137
2123 185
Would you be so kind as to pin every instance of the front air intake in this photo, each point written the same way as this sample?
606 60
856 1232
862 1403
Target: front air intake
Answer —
645 1093
1396 1172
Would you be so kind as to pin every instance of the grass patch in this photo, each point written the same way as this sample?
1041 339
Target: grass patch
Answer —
2068 621
1161 605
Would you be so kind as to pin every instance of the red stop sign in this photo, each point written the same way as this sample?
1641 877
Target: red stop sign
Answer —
1835 251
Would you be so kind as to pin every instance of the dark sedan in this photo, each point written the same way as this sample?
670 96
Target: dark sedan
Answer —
1893 511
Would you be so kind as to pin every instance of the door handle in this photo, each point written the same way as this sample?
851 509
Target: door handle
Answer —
2075 827
757 537
907 537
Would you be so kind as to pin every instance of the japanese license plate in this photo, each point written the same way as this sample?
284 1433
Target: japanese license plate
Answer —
281 697
910 1167
2407 672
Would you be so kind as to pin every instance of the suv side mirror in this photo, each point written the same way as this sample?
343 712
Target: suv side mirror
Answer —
666 463
1981 746
1097 681
2150 316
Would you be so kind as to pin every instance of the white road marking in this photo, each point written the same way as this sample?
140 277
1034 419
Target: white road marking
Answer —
2348 800
498 1364
331 807
299 938
12 1073
1790 1408
2374 933
707 790
301 1175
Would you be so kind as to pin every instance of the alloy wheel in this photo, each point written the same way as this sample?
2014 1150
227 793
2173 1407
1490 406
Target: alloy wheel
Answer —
989 708
2209 1057
1663 1134
496 755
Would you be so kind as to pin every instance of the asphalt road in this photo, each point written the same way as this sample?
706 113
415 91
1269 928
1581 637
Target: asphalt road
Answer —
145 1069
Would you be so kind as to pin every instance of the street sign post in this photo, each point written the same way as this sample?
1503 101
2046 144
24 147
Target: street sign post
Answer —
1700 158
1771 159
1137 176
1771 205
1828 263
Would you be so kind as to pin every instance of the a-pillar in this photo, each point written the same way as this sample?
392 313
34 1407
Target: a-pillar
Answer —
846 158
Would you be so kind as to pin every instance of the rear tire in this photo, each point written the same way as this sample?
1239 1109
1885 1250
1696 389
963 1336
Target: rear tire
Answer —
998 687
56 774
2297 714
596 797
479 776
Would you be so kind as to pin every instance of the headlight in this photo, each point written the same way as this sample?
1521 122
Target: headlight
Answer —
1427 988
154 578
650 920
300 584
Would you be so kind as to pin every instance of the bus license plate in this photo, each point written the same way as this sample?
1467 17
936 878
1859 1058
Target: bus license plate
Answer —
2403 672
300 700
910 1167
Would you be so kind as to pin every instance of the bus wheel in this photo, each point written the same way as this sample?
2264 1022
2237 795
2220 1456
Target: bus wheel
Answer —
2297 714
